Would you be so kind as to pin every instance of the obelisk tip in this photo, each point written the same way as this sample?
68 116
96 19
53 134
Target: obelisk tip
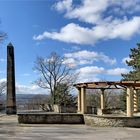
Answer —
10 44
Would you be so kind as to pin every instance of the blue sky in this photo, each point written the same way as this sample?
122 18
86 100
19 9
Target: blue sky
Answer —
94 36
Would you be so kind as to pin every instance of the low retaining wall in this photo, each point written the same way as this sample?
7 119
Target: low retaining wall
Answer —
112 121
74 118
50 118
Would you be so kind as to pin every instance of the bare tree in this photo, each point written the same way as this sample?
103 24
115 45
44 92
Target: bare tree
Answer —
112 98
2 36
2 84
2 88
53 72
93 97
36 102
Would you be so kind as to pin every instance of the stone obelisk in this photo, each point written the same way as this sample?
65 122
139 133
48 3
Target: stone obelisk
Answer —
11 91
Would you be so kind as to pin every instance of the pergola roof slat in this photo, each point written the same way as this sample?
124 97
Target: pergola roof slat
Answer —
109 84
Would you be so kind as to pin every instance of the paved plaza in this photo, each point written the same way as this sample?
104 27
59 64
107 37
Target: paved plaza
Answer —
11 130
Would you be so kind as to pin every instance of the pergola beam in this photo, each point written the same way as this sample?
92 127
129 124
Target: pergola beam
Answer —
108 84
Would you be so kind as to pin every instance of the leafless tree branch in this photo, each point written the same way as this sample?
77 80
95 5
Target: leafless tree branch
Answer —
53 72
2 88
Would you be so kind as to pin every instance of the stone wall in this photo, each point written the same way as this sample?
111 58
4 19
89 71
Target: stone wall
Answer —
63 109
111 121
74 118
52 118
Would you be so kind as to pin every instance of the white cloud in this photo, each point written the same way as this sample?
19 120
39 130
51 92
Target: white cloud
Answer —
82 54
23 89
117 71
87 57
64 5
3 80
2 72
76 48
95 73
91 70
104 26
2 60
130 6
126 59
88 78
89 73
71 62
126 29
73 33
26 74
86 13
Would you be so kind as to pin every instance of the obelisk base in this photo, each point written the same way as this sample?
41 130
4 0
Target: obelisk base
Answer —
11 110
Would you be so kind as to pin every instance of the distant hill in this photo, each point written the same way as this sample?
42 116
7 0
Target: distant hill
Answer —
26 101
25 96
20 98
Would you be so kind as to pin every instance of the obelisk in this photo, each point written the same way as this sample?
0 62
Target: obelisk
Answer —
11 91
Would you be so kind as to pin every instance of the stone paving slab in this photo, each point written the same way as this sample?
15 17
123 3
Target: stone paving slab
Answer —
11 130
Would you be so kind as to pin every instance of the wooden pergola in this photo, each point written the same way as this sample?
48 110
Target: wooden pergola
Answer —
131 97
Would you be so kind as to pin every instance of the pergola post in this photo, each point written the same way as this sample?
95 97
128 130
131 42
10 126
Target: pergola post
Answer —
135 101
79 100
102 99
130 105
83 100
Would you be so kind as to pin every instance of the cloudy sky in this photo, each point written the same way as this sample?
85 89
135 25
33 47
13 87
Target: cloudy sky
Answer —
94 36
